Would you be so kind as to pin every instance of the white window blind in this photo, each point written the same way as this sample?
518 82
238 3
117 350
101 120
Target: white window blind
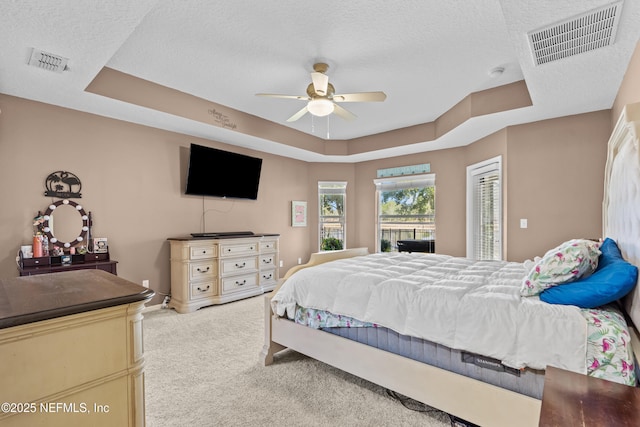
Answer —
484 211
404 182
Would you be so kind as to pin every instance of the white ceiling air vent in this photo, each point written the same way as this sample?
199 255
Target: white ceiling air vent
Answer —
582 33
48 61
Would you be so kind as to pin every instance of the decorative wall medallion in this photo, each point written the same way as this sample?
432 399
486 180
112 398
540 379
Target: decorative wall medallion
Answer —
63 184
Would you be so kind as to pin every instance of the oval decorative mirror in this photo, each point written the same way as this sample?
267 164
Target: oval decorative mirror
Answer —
62 220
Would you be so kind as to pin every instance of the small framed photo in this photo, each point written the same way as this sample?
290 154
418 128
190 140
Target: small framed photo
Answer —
100 245
298 214
65 259
27 251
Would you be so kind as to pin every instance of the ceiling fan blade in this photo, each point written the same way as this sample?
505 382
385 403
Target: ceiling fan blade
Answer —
275 95
297 115
360 97
320 83
339 111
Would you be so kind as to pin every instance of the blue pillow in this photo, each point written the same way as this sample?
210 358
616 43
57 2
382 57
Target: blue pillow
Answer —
610 252
613 279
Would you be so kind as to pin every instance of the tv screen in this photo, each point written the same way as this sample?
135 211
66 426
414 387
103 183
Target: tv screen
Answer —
220 173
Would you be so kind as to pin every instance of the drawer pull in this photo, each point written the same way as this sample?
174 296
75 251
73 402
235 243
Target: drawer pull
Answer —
204 251
244 282
203 271
204 290
267 260
267 276
243 265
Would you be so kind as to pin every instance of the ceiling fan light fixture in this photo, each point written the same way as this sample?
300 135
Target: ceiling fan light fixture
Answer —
320 107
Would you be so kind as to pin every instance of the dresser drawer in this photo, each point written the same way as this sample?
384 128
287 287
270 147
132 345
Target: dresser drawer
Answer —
236 249
202 270
202 252
267 276
202 290
267 261
238 265
238 283
269 246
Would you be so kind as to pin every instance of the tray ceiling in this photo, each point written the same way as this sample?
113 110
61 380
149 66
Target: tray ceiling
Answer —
426 55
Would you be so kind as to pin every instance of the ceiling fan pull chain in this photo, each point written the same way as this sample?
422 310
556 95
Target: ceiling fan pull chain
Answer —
328 135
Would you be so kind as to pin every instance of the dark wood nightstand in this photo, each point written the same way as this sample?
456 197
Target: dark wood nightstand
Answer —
571 399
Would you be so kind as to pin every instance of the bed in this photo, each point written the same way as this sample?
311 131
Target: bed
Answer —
450 389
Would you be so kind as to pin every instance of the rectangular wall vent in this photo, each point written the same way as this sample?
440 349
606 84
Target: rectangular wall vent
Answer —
48 61
591 30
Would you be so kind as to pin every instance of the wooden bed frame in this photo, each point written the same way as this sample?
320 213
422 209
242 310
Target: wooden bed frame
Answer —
464 397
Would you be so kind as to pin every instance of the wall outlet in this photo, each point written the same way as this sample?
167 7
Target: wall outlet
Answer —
145 283
281 263
523 223
299 260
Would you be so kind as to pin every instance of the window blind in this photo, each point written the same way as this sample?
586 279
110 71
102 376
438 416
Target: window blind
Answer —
332 187
404 182
486 221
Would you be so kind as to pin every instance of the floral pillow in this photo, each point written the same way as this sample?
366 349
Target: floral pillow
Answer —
568 262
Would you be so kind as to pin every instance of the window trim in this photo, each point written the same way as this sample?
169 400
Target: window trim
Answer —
341 188
398 183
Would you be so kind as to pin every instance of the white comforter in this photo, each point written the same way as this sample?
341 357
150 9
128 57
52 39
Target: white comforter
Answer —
461 303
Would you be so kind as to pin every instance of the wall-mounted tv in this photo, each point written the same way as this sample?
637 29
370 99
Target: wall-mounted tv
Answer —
220 173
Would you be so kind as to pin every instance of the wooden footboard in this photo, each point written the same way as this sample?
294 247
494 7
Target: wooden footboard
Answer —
464 397
470 399
270 347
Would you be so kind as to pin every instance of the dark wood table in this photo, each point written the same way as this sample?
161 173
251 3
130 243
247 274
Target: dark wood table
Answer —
571 399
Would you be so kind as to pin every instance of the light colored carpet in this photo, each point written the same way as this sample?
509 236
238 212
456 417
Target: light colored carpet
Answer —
202 369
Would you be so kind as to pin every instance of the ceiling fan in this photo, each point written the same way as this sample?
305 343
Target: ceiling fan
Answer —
322 99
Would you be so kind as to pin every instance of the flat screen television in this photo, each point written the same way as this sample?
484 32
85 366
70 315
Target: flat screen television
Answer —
220 173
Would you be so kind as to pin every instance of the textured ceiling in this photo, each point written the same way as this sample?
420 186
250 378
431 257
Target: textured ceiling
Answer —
426 55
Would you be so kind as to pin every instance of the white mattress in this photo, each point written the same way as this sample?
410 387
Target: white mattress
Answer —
463 304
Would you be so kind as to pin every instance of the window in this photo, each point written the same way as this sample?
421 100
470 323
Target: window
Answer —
332 201
406 210
484 210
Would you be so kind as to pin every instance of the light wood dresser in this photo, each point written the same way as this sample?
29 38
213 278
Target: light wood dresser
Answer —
71 351
207 271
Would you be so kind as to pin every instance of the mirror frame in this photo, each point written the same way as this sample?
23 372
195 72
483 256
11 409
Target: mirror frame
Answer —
47 229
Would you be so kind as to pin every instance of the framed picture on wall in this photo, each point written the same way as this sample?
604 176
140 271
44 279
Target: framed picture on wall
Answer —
298 214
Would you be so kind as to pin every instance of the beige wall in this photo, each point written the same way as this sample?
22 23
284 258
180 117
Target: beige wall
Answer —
132 182
629 91
449 168
552 175
555 176
133 179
